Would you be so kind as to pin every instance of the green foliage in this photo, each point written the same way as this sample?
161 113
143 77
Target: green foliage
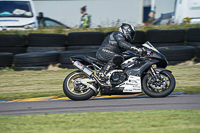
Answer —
62 30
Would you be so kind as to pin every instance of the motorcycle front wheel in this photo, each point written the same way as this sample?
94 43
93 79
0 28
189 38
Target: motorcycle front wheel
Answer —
75 91
162 88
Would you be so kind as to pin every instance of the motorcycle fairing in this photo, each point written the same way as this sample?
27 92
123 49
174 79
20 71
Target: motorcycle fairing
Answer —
133 84
138 69
156 55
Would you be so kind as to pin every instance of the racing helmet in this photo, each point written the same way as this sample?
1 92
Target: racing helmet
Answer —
128 31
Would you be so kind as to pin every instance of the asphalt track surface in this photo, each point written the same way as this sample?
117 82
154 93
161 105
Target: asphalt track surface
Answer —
102 105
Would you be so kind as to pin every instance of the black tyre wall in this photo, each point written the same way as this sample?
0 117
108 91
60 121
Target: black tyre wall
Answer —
178 53
12 40
108 33
193 35
36 59
14 50
64 57
85 38
195 44
198 52
165 36
140 37
45 49
51 40
6 59
156 44
70 48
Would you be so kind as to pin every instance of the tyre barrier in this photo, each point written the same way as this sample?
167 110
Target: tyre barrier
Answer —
177 54
195 44
14 50
15 44
45 49
71 48
162 38
12 40
169 42
84 40
35 61
139 39
108 33
6 59
64 57
46 42
193 35
197 49
193 38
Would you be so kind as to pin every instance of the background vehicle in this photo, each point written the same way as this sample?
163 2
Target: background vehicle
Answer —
45 22
17 15
134 74
187 8
166 18
184 11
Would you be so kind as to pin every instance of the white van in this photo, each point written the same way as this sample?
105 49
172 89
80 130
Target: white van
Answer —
187 8
17 15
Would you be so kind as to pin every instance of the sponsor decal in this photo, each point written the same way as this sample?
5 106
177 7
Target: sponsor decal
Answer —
79 64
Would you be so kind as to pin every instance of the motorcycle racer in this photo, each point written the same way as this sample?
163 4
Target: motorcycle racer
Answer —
114 44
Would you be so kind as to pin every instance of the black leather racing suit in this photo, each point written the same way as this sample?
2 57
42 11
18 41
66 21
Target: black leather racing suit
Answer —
113 45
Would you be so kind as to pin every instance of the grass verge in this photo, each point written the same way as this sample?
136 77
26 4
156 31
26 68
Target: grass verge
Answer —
29 84
62 30
170 121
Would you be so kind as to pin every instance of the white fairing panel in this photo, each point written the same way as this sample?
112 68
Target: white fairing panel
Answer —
133 84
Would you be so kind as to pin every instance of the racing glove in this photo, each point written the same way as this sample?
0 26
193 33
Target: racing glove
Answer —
139 51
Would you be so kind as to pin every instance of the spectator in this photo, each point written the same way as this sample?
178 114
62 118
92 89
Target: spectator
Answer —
151 16
85 19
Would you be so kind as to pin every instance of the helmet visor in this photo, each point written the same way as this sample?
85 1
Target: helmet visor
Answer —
131 35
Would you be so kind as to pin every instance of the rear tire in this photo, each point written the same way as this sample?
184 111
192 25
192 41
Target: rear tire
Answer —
156 93
70 92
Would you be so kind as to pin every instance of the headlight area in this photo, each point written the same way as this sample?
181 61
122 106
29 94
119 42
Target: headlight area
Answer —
30 26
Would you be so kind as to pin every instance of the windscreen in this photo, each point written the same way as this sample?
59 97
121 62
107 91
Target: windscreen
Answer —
15 9
149 46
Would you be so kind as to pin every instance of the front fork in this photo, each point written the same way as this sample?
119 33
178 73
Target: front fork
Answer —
154 74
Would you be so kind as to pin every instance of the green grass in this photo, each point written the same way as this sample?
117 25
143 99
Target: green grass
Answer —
159 121
28 84
62 30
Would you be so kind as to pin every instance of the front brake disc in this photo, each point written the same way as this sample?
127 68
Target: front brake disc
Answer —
159 84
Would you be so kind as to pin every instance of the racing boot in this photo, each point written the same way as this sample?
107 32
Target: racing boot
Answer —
105 69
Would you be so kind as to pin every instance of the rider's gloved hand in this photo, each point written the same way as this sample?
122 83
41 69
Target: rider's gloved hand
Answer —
137 50
144 51
140 51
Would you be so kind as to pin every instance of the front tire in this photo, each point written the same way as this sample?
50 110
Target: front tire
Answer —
164 91
69 89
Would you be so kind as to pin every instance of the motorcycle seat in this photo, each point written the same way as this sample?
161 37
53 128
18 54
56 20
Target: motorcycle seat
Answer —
88 59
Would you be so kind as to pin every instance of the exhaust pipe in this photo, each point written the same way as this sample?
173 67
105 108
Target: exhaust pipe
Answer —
83 68
87 71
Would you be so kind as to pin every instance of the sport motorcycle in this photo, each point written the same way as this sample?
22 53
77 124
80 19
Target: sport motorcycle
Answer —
135 73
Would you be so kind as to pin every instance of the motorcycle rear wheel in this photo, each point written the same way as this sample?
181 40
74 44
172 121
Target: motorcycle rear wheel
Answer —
69 89
162 92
